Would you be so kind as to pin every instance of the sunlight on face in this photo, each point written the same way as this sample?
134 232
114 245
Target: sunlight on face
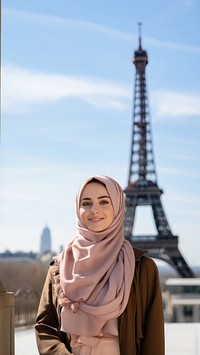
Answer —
96 209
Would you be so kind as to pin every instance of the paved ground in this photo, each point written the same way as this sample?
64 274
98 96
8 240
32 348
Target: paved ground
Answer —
181 339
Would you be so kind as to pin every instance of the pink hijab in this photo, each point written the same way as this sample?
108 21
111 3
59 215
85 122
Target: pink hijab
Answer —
95 271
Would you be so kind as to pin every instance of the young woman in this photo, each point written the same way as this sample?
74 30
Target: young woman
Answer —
101 296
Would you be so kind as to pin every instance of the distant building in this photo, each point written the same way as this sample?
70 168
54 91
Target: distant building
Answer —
45 242
182 300
18 256
61 248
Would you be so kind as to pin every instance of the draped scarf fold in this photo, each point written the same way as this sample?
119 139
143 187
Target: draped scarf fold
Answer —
95 271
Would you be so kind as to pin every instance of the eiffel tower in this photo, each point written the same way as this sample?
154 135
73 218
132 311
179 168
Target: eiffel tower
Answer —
142 189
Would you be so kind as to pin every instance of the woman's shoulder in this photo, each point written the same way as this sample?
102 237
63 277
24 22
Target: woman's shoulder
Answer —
146 271
145 261
139 253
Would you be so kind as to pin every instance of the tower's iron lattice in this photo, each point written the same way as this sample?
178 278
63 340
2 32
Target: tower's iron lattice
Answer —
142 189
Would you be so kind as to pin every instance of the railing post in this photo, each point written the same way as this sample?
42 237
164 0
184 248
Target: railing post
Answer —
7 301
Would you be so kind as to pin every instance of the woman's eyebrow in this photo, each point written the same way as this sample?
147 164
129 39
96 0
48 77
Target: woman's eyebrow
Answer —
104 196
88 198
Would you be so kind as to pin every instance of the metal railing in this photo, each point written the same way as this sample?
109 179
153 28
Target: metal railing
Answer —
26 305
16 310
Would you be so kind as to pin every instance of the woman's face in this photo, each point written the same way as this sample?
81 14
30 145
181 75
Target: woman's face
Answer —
96 209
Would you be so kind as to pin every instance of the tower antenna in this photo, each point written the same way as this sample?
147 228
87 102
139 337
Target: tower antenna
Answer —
140 34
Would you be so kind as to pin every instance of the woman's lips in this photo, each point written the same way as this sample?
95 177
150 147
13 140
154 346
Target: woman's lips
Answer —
95 220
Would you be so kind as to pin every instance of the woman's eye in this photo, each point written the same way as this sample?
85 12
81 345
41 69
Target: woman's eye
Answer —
85 204
104 202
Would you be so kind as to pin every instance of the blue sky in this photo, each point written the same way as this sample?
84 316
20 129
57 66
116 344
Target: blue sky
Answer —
67 103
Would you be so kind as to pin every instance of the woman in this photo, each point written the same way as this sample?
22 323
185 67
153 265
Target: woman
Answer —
101 296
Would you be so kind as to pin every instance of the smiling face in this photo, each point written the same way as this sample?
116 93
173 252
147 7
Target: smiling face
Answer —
96 209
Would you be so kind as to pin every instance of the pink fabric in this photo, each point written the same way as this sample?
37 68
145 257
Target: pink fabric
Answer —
104 343
95 271
94 346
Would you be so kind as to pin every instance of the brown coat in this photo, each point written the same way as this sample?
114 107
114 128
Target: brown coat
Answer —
141 325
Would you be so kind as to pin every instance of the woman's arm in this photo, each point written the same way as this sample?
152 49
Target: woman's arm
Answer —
50 340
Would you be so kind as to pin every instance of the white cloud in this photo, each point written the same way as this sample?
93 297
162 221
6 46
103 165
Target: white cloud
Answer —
44 20
187 200
179 171
175 104
172 45
23 88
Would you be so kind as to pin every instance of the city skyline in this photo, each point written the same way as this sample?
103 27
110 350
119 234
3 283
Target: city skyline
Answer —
67 102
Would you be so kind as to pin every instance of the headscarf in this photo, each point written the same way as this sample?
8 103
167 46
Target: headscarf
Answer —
96 270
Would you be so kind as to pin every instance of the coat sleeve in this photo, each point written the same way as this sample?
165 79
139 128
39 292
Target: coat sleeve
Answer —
153 337
50 340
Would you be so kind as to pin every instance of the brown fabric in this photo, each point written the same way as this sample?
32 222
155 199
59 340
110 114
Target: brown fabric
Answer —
141 325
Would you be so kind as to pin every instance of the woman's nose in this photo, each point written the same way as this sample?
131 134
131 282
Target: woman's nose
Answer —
94 208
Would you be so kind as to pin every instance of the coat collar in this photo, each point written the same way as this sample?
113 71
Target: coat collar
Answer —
139 253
